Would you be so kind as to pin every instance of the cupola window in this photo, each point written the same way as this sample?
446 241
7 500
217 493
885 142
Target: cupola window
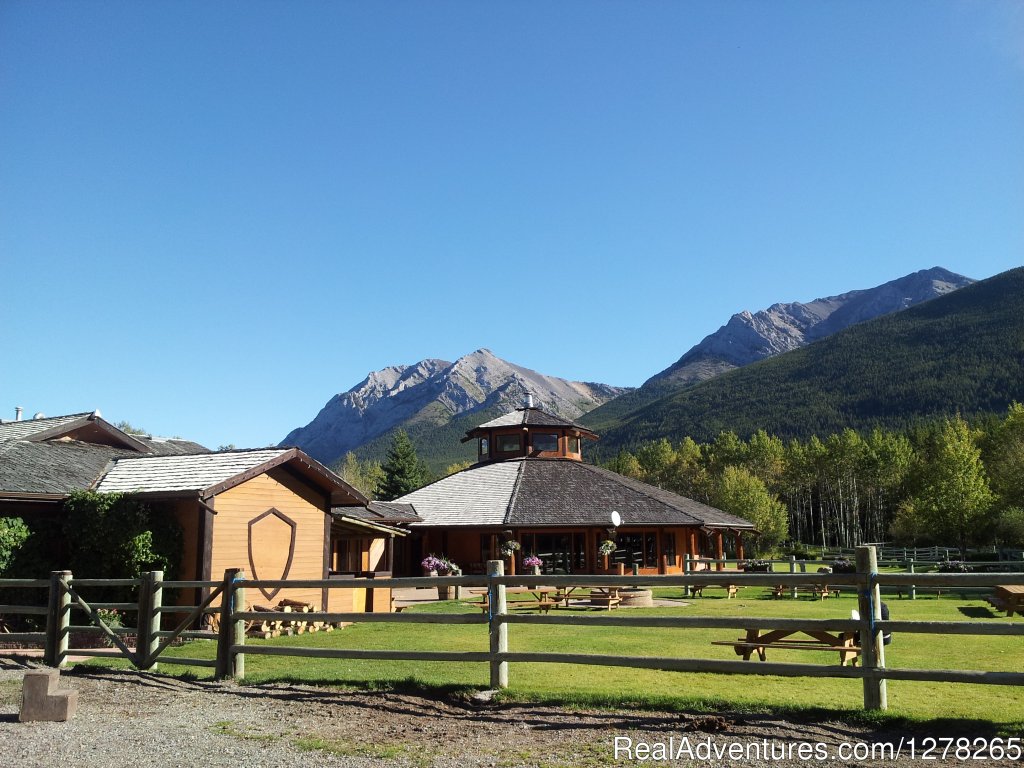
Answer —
509 443
544 441
572 445
485 448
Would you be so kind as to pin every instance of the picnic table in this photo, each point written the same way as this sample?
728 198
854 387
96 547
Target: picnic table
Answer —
607 596
757 640
817 590
697 590
1009 598
541 598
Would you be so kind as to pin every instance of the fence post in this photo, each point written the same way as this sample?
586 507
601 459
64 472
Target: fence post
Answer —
225 629
148 622
870 608
58 621
913 587
498 630
792 569
239 629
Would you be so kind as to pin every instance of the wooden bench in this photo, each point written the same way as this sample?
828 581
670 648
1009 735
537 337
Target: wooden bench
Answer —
1009 598
608 601
697 590
755 642
541 605
746 649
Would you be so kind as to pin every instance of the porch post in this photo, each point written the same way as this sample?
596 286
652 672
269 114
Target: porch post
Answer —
719 550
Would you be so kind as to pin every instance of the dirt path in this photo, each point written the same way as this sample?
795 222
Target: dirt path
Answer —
127 718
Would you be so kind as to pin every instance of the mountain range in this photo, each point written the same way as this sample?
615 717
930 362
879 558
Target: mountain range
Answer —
748 337
437 401
962 352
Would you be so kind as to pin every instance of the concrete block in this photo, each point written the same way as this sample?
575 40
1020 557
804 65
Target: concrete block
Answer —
42 702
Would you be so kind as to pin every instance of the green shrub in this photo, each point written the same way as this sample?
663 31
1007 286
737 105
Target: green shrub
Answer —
13 534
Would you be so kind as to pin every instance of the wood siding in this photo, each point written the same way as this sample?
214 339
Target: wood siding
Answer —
292 499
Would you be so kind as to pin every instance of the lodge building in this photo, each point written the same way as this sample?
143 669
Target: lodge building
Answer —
530 485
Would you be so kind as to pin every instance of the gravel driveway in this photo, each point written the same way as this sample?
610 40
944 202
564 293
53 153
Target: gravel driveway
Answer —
128 718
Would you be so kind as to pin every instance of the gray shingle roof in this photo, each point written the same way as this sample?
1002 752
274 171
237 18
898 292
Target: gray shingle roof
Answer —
58 467
559 492
194 472
62 466
533 417
556 492
479 495
21 430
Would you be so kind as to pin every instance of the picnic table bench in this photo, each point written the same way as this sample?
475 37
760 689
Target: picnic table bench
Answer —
600 596
540 599
1009 598
820 591
756 642
697 590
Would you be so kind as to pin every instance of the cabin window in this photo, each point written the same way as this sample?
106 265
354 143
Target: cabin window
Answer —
485 448
636 549
560 553
509 443
573 444
545 442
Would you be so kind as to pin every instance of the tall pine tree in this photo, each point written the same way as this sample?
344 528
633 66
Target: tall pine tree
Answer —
403 470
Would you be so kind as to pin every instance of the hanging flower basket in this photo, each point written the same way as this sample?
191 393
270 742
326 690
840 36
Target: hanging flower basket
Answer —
510 547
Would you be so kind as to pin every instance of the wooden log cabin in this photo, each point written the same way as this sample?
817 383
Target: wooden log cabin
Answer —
530 485
275 513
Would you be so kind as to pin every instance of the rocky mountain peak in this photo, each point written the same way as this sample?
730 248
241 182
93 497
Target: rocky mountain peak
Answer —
748 337
437 391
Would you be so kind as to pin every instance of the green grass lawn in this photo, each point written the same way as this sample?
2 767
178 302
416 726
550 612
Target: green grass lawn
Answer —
585 685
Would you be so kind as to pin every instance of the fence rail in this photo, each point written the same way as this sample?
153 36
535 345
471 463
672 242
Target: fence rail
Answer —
226 600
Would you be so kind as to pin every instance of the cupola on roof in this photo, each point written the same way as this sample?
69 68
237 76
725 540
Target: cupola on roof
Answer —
529 431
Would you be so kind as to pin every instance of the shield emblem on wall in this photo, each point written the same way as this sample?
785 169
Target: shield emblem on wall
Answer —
271 547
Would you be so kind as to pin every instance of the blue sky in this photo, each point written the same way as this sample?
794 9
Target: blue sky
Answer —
215 216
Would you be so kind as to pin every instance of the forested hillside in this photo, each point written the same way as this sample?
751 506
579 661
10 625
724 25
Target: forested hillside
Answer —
945 483
961 353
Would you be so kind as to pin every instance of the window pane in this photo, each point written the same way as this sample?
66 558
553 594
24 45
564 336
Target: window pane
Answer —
573 445
508 443
545 442
484 448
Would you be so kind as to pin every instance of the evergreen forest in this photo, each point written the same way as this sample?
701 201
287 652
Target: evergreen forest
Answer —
947 482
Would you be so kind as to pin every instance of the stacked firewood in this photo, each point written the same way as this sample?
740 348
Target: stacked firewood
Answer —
297 626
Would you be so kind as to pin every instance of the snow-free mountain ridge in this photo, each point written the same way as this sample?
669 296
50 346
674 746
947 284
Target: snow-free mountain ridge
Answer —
432 393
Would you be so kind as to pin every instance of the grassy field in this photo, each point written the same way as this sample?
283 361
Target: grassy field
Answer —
588 685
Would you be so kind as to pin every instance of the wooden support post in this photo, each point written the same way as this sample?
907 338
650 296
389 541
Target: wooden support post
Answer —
498 630
687 570
225 628
792 569
239 628
870 608
913 589
58 620
148 622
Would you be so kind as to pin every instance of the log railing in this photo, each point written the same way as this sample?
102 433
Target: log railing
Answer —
226 600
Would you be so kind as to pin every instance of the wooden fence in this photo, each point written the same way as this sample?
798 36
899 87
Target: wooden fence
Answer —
226 599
